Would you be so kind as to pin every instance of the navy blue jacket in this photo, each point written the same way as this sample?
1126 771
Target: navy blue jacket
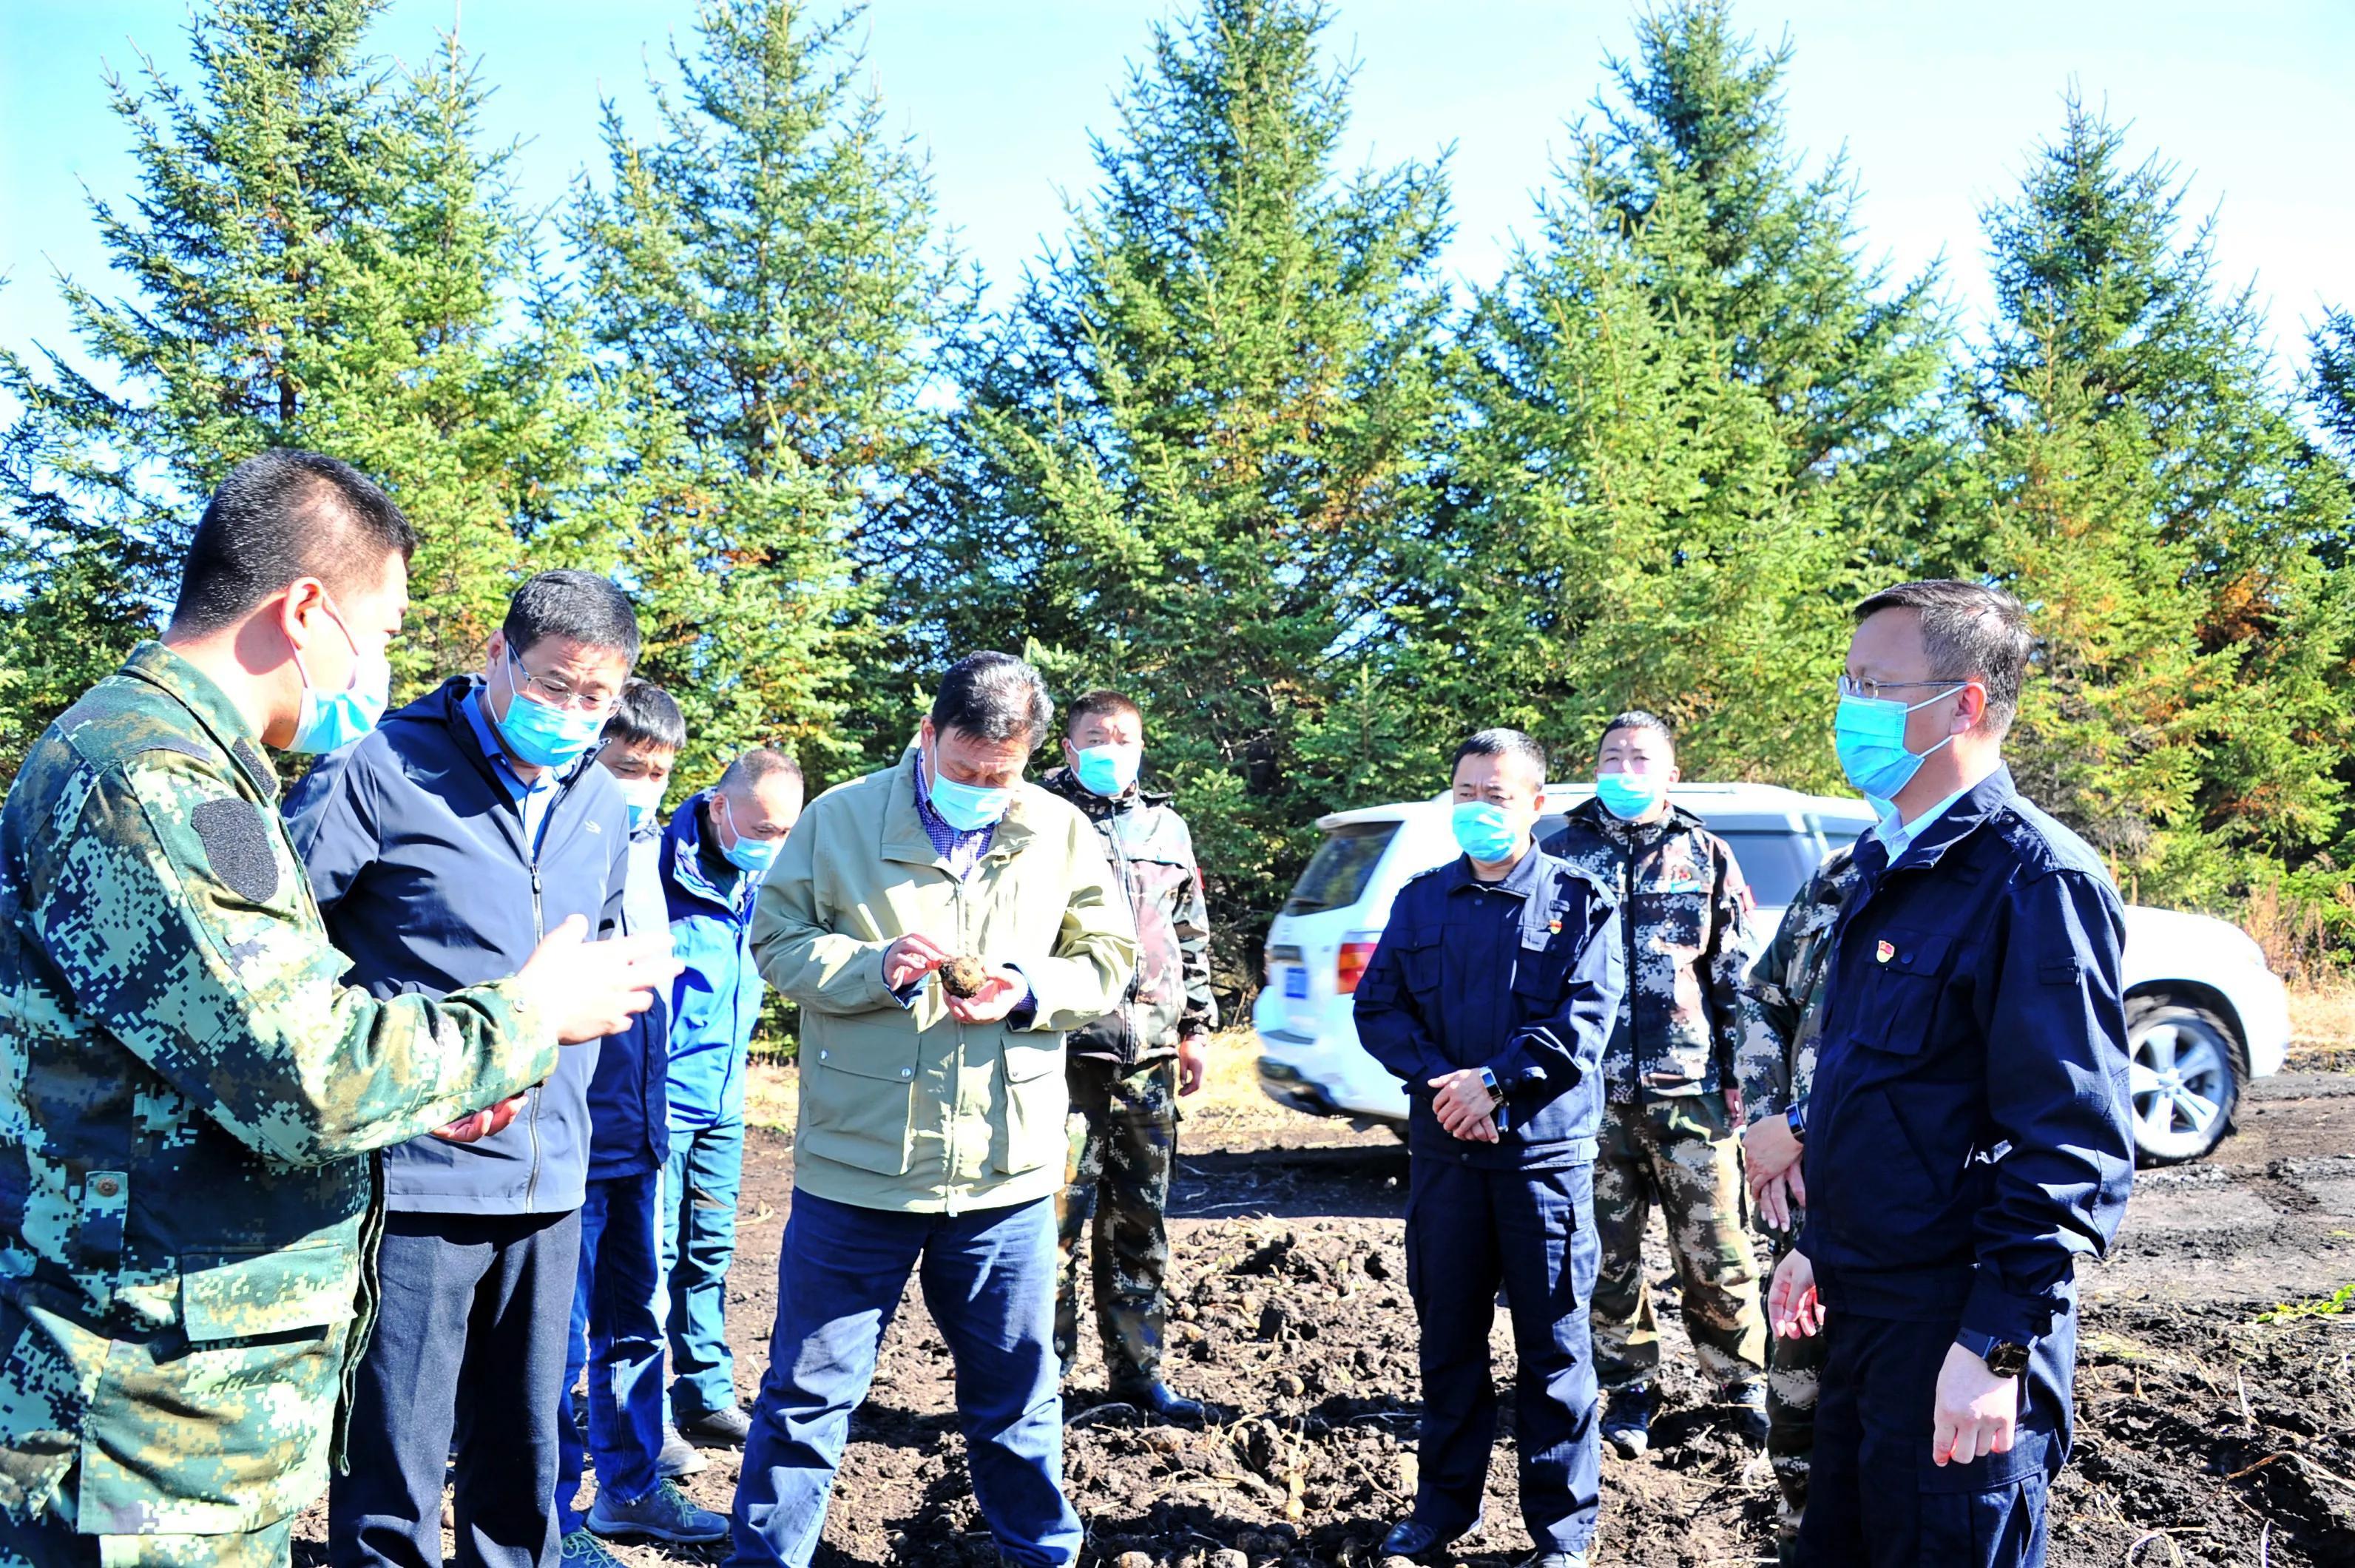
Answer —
716 1000
1967 1133
1521 977
629 1117
416 851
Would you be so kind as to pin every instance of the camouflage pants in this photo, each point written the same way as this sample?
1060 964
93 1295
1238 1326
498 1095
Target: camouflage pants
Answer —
1795 1371
1681 1153
54 1546
1124 1133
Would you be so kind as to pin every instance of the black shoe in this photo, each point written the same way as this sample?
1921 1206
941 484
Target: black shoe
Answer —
1627 1419
1156 1399
1414 1539
728 1427
1749 1403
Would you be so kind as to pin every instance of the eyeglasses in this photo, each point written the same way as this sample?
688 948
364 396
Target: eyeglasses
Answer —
557 694
1871 690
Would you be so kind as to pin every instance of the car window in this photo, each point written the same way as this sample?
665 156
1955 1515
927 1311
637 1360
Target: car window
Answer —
1776 861
1338 873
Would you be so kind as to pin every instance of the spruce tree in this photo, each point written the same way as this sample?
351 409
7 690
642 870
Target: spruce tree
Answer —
1192 456
765 278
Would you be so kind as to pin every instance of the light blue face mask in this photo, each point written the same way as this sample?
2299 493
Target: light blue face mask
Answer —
1628 796
1869 733
331 720
643 797
752 855
1483 830
1108 771
543 736
968 808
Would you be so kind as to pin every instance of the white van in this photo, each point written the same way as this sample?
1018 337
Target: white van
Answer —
2204 1014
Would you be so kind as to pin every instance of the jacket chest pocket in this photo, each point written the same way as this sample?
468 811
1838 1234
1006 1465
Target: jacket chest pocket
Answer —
1418 959
1674 919
1539 967
1903 973
1032 1132
858 1101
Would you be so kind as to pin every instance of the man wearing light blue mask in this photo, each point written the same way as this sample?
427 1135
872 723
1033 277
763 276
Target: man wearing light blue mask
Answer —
1673 1102
439 848
720 843
1967 1138
1490 996
940 924
1127 1069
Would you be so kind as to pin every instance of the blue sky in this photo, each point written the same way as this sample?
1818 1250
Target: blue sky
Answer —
1938 105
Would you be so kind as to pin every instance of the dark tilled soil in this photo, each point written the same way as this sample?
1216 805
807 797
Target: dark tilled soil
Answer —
2211 1429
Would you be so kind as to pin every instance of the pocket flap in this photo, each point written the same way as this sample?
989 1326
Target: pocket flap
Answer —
237 1293
1025 1061
1911 952
894 1061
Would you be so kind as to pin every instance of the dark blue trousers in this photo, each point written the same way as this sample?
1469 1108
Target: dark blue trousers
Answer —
617 1334
990 1282
1467 1232
470 1338
1874 1497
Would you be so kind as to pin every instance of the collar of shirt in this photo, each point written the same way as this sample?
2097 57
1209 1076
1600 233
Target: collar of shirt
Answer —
1897 835
1519 882
962 850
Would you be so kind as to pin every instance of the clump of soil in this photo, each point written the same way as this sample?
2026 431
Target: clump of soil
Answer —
964 975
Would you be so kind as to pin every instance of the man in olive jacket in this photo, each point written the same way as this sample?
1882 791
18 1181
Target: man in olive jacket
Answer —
932 1103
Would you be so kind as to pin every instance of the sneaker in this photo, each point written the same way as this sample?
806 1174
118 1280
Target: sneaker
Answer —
1627 1419
1555 1559
584 1549
1749 1402
664 1514
678 1457
728 1426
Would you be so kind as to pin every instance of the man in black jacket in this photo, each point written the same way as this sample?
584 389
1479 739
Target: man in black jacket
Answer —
1127 1069
1491 994
1966 1136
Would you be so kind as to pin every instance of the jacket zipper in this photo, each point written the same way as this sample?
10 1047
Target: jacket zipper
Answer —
1627 935
957 1072
1128 1029
531 1182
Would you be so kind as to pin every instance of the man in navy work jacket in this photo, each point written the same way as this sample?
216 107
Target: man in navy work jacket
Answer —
441 847
1491 994
1967 1138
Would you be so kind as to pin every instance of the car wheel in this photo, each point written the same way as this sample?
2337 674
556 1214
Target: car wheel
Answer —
2184 1074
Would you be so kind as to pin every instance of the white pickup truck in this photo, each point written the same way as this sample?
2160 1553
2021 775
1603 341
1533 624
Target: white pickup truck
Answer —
2204 1014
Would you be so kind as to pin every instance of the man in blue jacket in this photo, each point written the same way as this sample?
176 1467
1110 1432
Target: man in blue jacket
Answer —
439 848
719 845
1967 1138
1491 994
616 1310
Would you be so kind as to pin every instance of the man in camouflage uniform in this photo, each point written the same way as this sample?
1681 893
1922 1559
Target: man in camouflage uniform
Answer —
188 1091
1777 1066
1667 1122
1127 1069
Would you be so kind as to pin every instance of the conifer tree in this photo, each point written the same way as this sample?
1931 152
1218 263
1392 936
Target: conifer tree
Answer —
1194 452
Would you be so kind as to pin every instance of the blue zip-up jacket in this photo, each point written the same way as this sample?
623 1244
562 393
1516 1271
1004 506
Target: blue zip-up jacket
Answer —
416 850
1967 1132
716 1000
629 1120
1521 977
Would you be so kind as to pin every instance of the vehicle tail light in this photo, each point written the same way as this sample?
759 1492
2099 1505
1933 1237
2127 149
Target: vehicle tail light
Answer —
1349 963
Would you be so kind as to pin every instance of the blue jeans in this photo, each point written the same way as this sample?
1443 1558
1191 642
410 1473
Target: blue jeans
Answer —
1467 1232
701 1182
990 1282
617 1333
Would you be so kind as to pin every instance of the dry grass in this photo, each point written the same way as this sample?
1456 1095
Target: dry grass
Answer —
2322 1027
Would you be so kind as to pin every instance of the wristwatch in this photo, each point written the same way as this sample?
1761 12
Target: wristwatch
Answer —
2005 1357
1795 1118
1488 1080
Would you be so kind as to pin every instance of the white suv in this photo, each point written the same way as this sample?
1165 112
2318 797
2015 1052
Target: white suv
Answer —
2203 1012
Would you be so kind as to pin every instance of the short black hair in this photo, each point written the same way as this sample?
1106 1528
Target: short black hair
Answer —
758 763
646 717
1637 718
281 515
579 606
1103 700
1970 632
993 697
1501 742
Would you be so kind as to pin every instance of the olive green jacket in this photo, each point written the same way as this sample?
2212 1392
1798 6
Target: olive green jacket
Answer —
902 1106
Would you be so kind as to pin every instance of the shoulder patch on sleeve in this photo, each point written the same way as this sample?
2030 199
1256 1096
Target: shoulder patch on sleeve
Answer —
236 846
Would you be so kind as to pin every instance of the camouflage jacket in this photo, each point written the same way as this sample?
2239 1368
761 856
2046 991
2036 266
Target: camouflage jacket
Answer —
1684 916
1786 992
187 1095
1169 999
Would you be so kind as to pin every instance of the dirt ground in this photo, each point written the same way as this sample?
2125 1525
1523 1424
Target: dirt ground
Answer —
2214 1428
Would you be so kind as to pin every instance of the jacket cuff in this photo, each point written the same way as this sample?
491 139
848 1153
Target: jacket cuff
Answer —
1515 1068
2003 1316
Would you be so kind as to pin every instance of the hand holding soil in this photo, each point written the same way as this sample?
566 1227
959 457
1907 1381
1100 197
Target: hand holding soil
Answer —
964 975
